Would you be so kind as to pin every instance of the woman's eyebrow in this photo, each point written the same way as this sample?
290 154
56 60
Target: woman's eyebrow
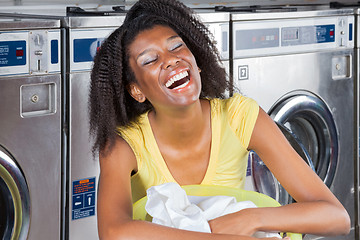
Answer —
173 37
143 53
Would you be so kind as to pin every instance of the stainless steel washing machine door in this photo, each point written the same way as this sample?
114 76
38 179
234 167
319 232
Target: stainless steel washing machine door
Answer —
310 119
14 199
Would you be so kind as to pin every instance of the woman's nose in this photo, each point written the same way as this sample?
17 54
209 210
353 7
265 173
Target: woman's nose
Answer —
171 60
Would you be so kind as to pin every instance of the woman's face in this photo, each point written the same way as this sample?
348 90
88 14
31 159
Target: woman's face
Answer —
165 69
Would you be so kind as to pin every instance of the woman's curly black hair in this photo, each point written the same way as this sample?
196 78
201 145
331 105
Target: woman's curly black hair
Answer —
110 103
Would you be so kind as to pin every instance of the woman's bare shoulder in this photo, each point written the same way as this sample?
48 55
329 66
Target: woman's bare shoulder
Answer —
119 154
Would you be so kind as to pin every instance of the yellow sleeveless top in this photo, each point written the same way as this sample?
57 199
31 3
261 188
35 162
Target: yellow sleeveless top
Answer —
232 123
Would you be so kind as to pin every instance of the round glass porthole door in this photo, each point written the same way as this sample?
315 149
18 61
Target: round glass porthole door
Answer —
311 122
14 199
310 119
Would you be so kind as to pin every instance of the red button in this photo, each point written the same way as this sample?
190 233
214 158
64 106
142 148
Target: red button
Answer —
19 53
331 33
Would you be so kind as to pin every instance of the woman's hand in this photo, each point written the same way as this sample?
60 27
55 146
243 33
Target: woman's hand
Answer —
239 223
244 222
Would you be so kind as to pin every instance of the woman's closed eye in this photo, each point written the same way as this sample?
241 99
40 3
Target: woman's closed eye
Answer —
176 46
148 61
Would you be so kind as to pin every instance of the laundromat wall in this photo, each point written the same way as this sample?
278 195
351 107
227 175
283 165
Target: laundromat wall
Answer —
106 2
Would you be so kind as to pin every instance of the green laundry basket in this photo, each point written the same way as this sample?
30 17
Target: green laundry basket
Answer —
259 199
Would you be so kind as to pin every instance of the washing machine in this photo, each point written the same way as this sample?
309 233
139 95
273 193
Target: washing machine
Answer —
299 66
30 129
84 36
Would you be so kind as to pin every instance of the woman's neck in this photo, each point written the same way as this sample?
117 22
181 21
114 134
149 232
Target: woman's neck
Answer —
181 126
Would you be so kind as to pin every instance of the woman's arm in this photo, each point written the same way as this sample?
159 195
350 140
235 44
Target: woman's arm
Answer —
317 210
115 204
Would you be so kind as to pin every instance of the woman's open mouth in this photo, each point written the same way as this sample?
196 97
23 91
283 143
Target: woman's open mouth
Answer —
178 81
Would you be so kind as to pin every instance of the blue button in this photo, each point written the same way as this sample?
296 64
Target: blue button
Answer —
350 32
54 51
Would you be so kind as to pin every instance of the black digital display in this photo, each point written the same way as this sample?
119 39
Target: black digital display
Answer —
257 38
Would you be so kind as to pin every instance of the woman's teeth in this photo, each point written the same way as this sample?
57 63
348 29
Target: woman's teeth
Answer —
176 78
182 85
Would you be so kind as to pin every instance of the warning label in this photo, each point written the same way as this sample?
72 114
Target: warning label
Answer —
83 198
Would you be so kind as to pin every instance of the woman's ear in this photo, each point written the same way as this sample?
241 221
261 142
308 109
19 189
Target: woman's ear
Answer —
136 93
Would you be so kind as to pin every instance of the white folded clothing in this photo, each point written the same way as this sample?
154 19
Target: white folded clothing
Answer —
170 206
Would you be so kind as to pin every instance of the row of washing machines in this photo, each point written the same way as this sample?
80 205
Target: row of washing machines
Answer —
299 63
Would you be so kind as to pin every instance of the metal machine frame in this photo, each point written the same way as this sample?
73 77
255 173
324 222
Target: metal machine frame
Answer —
30 129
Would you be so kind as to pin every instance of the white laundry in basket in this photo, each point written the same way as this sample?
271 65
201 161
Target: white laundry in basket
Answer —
169 205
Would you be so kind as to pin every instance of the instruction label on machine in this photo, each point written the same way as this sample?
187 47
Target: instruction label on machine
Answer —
83 198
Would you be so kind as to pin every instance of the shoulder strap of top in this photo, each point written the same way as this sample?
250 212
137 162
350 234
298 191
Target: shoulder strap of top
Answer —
241 113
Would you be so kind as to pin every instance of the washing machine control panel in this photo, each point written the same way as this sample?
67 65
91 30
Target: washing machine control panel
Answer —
84 44
307 35
284 36
13 53
29 52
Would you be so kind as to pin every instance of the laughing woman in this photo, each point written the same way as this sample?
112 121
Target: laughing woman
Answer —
159 114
